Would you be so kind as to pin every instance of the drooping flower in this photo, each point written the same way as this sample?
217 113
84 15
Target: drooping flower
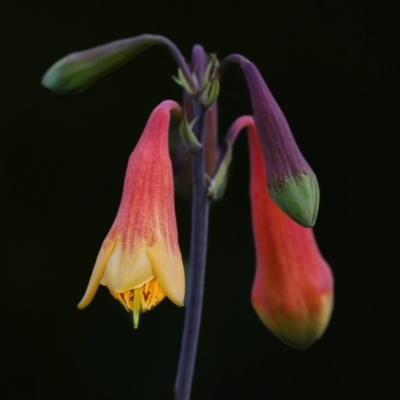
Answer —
293 286
140 260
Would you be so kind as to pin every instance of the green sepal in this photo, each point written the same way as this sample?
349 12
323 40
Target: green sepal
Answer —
182 81
76 72
298 197
189 139
212 91
211 83
217 186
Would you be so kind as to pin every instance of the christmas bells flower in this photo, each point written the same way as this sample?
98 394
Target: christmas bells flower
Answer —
293 286
140 260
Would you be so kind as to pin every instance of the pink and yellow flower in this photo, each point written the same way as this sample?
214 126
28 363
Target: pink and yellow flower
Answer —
293 286
140 260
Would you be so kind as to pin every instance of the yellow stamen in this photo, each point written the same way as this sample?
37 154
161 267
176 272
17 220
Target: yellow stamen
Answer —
136 306
141 299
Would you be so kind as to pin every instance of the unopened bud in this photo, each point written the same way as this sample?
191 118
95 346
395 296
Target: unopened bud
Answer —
76 72
211 83
293 286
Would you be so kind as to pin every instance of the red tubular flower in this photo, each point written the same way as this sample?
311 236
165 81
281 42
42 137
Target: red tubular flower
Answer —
140 261
293 286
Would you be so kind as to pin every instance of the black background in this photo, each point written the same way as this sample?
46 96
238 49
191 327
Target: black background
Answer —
333 66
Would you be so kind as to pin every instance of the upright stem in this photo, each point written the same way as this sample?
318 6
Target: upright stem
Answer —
194 302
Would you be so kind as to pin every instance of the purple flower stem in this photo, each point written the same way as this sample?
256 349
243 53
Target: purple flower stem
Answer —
231 59
194 303
178 58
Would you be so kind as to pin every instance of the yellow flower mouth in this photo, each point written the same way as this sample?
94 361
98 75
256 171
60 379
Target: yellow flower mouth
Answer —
140 299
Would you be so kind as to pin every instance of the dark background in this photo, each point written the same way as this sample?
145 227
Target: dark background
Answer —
333 66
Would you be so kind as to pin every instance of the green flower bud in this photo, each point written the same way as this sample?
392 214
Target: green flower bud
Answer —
76 72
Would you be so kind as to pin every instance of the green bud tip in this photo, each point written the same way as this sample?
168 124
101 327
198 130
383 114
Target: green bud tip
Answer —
298 197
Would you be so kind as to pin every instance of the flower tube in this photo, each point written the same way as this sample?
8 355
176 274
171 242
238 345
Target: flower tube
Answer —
293 286
140 260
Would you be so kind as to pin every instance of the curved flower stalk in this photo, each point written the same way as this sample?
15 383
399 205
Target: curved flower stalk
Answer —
140 261
78 71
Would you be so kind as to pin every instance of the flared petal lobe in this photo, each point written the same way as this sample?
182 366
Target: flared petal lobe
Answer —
293 286
144 233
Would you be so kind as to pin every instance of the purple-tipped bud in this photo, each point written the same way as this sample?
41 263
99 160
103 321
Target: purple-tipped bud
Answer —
291 182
